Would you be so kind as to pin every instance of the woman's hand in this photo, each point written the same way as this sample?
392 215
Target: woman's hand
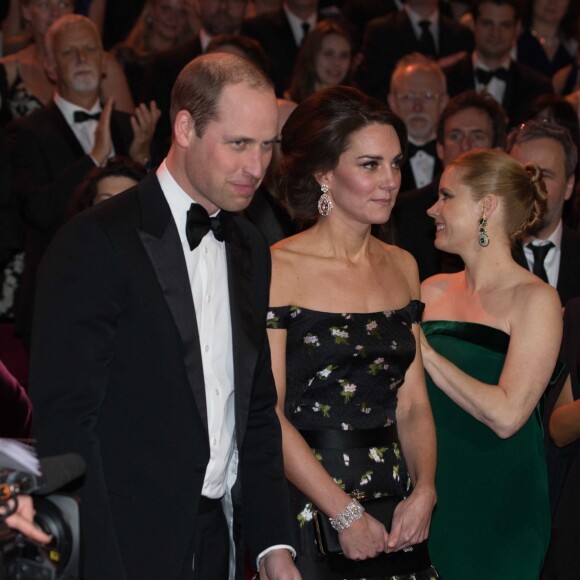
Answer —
365 538
411 520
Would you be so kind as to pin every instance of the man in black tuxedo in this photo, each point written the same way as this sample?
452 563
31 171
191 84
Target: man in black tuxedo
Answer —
418 94
150 356
419 27
160 74
552 251
280 33
469 121
52 150
490 67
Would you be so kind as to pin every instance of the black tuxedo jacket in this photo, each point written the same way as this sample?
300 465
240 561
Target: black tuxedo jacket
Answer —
415 230
116 375
159 76
389 38
47 165
569 276
523 86
272 30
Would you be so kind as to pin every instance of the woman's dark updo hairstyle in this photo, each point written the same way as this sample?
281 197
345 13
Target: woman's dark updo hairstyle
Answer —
317 133
521 189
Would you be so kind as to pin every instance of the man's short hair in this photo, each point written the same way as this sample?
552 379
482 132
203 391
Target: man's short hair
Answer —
200 84
64 22
474 100
515 4
418 60
533 130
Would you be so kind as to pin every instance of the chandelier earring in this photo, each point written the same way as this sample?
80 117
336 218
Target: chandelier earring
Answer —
482 236
325 204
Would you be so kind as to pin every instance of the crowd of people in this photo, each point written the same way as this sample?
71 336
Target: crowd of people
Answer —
308 271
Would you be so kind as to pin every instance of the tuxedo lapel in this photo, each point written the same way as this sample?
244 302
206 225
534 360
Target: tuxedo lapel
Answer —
64 130
161 242
245 347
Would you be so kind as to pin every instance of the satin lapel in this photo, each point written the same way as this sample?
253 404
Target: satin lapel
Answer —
65 130
161 242
245 346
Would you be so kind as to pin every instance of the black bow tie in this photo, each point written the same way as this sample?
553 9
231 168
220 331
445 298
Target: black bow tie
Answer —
485 76
199 223
82 116
430 148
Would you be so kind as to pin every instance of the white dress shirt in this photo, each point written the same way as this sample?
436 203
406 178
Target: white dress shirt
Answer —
422 165
496 87
208 278
85 131
552 260
416 18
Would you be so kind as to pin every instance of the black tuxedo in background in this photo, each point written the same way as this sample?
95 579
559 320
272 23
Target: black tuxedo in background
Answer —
116 375
569 276
159 77
522 86
47 165
272 30
415 230
388 38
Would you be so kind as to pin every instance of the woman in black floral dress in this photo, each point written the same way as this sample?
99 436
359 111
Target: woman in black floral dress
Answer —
342 327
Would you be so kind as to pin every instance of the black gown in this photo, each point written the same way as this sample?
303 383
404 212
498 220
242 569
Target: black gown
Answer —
343 372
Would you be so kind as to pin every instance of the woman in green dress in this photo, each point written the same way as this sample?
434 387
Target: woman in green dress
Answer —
490 343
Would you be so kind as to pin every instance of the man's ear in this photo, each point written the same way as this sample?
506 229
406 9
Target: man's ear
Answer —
392 102
50 68
183 128
570 187
440 151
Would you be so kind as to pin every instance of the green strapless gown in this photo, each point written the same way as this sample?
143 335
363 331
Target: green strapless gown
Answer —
492 519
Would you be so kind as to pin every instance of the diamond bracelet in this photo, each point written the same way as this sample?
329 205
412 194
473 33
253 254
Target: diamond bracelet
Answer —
353 512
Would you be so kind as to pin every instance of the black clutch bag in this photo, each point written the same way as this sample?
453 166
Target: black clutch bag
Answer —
413 559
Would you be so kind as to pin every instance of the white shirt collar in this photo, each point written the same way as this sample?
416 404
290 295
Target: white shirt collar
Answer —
68 109
204 39
555 237
478 64
296 23
416 18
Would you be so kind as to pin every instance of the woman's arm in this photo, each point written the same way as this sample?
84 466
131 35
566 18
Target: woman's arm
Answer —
536 332
565 419
366 537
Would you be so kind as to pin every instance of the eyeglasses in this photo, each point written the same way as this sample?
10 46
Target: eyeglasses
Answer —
410 98
48 4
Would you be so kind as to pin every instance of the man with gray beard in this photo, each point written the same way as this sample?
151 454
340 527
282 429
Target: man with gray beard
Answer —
52 150
216 17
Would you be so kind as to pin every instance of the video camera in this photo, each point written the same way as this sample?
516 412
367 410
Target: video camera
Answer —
22 558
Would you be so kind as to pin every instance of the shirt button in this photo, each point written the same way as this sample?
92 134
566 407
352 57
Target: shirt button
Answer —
206 348
214 442
205 250
208 298
217 392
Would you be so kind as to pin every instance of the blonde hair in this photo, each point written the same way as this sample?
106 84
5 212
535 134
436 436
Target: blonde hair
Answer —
521 189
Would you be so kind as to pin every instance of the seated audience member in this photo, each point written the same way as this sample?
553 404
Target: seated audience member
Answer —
418 94
469 121
281 33
419 27
490 344
24 83
268 209
66 139
160 73
551 250
560 111
548 42
15 407
563 417
490 67
324 60
117 175
162 25
242 46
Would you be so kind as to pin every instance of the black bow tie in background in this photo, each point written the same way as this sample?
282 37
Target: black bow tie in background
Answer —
485 76
199 223
82 116
430 148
